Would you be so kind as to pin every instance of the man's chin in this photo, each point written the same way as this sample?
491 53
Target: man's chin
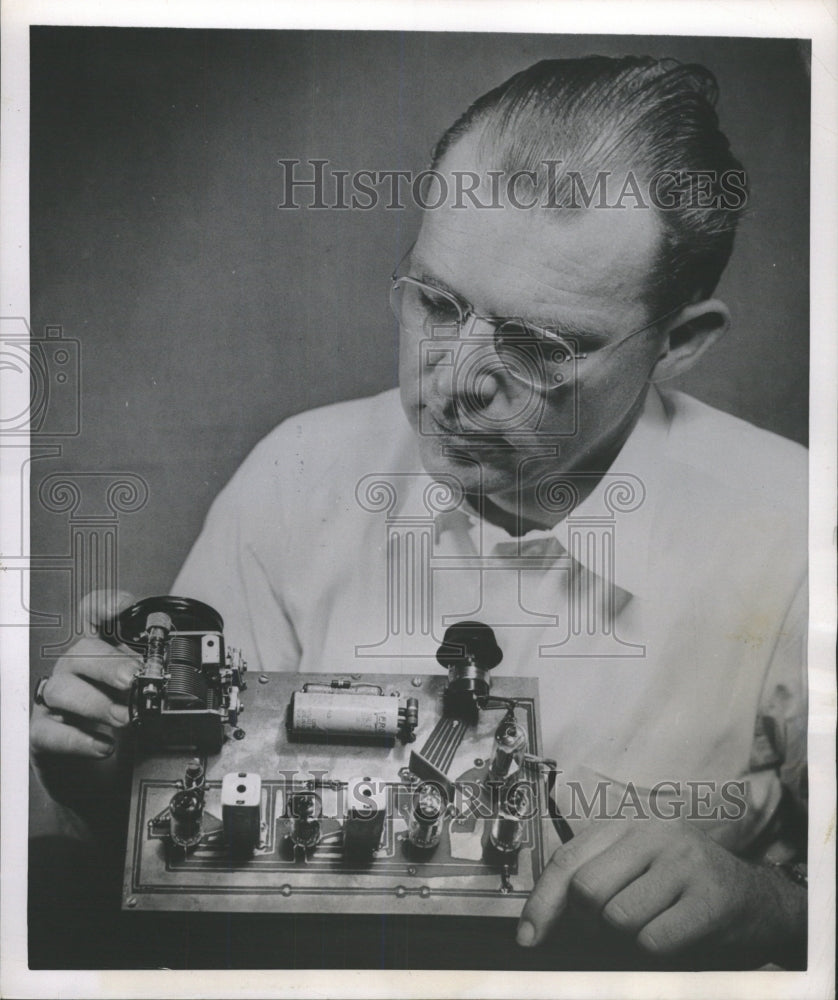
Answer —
444 460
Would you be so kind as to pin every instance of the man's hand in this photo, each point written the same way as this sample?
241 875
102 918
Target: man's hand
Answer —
671 888
85 699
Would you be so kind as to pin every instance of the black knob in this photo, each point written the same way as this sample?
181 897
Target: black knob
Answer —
469 643
468 652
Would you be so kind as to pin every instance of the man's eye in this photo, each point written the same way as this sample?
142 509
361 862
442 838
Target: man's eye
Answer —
438 306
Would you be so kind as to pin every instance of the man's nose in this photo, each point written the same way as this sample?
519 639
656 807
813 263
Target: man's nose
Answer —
464 370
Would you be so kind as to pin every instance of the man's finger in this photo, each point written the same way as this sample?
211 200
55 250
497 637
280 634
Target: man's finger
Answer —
98 662
680 927
549 897
52 736
644 899
597 881
102 606
67 693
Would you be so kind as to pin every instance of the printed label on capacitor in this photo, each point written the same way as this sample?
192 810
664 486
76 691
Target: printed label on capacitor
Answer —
346 714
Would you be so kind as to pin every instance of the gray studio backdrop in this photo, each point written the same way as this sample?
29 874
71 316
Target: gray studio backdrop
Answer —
205 314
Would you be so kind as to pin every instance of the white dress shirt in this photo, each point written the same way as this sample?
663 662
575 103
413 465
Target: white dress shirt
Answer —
664 616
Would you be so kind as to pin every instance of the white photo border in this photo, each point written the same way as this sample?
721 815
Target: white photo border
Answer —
755 18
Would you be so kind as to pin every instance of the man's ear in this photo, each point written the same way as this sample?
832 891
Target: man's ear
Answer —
687 335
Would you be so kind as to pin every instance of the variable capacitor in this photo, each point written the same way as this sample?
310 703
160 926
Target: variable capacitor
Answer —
187 690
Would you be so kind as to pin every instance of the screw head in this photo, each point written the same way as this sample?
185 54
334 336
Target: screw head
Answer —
263 678
416 682
131 901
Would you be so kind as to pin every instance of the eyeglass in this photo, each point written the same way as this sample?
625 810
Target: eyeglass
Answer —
535 355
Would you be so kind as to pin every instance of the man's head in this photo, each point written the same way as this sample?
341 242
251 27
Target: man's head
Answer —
602 205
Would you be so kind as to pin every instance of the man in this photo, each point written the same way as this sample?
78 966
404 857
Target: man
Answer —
641 554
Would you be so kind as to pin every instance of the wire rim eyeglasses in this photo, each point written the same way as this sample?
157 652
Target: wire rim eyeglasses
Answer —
535 356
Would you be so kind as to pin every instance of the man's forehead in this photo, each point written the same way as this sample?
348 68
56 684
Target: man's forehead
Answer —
588 254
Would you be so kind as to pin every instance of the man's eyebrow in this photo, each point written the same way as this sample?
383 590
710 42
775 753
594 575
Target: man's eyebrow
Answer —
431 279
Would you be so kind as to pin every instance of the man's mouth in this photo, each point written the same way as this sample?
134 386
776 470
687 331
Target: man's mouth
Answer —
458 436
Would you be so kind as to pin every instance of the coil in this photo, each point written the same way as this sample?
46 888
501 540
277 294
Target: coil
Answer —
185 650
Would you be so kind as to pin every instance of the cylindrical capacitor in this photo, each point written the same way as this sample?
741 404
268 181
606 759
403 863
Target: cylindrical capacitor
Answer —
339 714
186 811
427 812
510 747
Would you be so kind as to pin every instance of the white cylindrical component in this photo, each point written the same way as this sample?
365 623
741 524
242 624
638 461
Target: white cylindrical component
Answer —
345 714
366 813
241 805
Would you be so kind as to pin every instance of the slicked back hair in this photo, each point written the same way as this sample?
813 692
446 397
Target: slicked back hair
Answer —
595 114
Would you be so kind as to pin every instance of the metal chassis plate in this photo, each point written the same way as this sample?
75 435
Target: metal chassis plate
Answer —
159 876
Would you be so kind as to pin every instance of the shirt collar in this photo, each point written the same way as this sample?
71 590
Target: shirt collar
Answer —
628 496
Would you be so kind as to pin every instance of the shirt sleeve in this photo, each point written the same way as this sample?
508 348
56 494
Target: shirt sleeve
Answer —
225 570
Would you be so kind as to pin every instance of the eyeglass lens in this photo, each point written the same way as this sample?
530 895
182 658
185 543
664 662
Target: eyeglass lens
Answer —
524 351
